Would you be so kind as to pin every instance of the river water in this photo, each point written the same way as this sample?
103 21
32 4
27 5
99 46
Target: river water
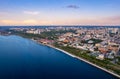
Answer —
22 58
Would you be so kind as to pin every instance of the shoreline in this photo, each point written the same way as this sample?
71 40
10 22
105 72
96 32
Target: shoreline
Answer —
81 59
77 57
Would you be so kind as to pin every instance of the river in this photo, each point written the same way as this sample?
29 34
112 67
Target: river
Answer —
22 58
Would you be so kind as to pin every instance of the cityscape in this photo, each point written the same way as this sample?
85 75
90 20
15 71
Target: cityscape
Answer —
100 45
64 39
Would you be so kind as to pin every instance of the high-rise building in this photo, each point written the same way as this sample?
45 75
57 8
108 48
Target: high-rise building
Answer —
119 32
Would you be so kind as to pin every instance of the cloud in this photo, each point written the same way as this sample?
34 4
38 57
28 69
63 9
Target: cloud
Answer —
18 22
31 12
113 18
8 21
30 21
110 20
73 6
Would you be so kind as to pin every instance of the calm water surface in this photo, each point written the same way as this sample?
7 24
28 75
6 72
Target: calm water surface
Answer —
21 58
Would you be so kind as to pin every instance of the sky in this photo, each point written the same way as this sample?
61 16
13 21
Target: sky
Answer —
59 12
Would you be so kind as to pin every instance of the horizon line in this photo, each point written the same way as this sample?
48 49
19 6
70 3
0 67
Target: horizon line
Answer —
55 25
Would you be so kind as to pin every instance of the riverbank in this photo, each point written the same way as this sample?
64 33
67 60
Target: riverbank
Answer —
84 60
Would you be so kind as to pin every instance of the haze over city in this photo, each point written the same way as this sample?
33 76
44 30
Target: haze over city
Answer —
59 12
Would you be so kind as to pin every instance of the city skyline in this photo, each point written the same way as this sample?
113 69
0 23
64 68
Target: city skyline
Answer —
60 12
